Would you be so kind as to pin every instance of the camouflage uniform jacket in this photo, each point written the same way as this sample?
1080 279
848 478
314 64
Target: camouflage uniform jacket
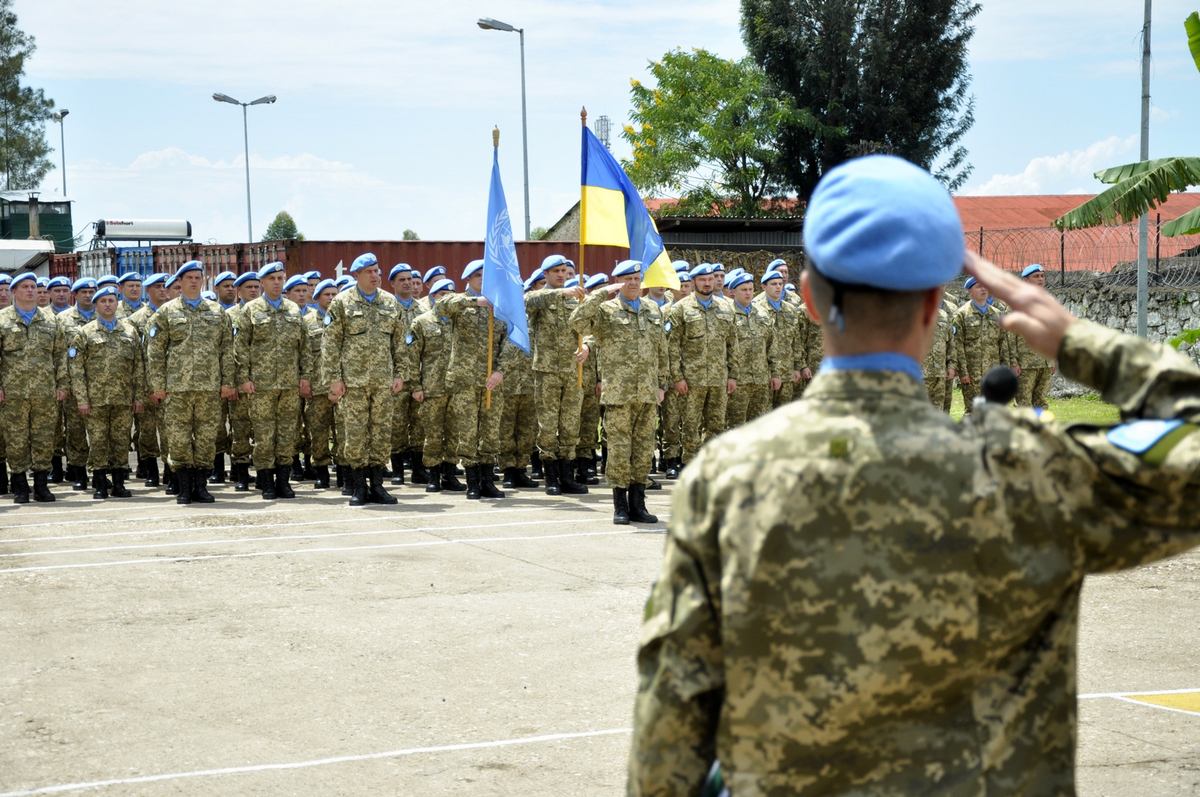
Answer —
141 320
428 354
469 339
700 341
787 334
314 328
107 366
189 348
979 342
71 321
422 305
812 340
272 346
125 310
1025 356
939 354
363 344
632 347
32 358
882 597
552 340
758 355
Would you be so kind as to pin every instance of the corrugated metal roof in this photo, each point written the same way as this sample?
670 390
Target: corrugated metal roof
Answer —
1010 212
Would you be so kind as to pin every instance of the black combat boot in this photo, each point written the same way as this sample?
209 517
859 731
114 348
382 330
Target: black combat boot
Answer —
434 483
357 477
322 482
449 482
101 491
339 477
581 471
620 507
218 470
473 477
78 473
181 480
242 483
200 492
377 494
141 468
509 473
282 488
118 480
521 479
265 481
310 473
3 477
651 484
296 470
40 491
654 464
637 505
172 481
535 461
603 459
346 477
673 468
150 469
487 482
397 467
550 468
565 468
419 474
56 472
20 488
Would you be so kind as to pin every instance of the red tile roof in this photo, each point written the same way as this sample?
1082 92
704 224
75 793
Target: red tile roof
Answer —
1010 212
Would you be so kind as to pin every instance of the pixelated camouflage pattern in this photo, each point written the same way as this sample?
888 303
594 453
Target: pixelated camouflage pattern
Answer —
558 401
275 423
790 343
885 602
314 328
468 366
552 340
473 427
125 310
32 357
1033 385
272 346
108 365
978 342
189 423
518 430
108 436
632 347
365 414
432 421
189 348
428 355
364 342
318 417
758 355
630 432
29 428
700 342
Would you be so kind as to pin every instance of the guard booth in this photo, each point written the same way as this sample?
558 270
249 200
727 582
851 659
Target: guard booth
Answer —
36 215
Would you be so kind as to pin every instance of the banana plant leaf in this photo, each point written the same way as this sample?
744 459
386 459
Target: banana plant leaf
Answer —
1192 26
1139 188
1187 224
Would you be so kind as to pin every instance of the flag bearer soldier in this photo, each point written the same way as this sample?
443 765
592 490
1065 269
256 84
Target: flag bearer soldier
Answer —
786 322
474 427
1036 371
75 441
108 384
147 443
427 352
700 342
318 411
761 359
240 428
979 342
274 365
131 288
589 414
190 368
556 391
33 379
297 291
628 333
362 355
405 433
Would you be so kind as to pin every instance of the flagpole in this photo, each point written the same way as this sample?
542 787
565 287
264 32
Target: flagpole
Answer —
491 311
582 217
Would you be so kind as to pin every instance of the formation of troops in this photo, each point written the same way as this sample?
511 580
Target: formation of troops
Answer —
300 376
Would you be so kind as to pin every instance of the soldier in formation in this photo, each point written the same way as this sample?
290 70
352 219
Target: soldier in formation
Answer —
427 353
1035 372
979 342
74 429
318 410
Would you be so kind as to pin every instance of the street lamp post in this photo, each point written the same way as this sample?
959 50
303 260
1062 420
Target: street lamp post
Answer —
270 98
494 24
62 130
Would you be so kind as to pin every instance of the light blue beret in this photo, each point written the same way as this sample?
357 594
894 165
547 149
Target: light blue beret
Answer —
702 270
718 267
970 283
171 279
23 276
43 282
129 276
244 278
84 282
107 290
365 260
224 276
729 275
627 267
270 268
534 278
322 285
680 265
416 274
345 286
1035 268
294 280
441 285
345 280
770 275
5 279
212 297
552 261
740 279
191 265
595 281
572 283
107 279
399 268
881 222
154 279
685 277
59 282
790 287
471 268
312 275
436 271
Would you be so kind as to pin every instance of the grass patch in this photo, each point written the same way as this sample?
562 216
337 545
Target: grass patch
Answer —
1086 409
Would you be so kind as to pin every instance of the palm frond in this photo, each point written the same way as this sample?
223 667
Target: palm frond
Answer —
1144 187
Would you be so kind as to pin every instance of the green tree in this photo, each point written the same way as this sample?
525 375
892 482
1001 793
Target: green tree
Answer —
878 75
25 109
283 228
537 233
410 235
706 132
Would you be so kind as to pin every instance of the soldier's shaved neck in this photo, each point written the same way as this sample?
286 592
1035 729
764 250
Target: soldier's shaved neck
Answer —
876 321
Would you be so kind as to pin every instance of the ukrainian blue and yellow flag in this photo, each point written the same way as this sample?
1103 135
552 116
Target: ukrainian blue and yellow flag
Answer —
612 214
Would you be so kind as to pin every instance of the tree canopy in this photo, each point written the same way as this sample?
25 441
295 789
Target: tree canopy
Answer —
25 110
877 75
282 228
706 132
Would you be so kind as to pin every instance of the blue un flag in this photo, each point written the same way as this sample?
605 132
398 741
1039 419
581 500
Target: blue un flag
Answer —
501 274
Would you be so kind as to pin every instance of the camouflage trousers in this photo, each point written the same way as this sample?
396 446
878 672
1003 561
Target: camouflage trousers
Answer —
240 430
223 439
318 417
75 443
404 418
558 399
29 429
747 403
108 436
475 428
3 451
589 423
147 431
948 398
703 417
784 394
1032 387
670 415
367 422
189 419
518 424
969 391
935 386
275 419
432 415
303 439
630 443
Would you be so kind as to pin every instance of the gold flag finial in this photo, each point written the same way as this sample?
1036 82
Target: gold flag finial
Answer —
583 117
496 136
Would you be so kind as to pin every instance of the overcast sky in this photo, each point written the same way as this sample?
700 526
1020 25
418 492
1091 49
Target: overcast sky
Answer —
385 109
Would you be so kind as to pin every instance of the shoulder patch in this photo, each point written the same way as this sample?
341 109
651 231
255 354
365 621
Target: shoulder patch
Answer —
409 339
667 326
71 352
1139 437
153 331
328 320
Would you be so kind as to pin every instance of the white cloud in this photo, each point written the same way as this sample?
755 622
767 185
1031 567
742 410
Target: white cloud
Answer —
1067 173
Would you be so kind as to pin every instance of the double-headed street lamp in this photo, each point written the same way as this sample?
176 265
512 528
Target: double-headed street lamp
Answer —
58 117
270 98
494 24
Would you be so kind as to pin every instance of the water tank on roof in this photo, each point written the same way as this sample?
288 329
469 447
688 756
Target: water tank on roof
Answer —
143 229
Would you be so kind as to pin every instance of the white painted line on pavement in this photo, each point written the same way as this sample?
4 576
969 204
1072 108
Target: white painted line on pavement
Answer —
1094 695
1147 704
169 560
207 773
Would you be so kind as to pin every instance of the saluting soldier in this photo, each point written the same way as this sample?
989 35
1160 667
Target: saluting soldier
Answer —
405 434
362 359
1036 372
979 342
240 428
628 332
147 442
427 352
757 367
274 364
108 385
318 411
33 380
190 368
